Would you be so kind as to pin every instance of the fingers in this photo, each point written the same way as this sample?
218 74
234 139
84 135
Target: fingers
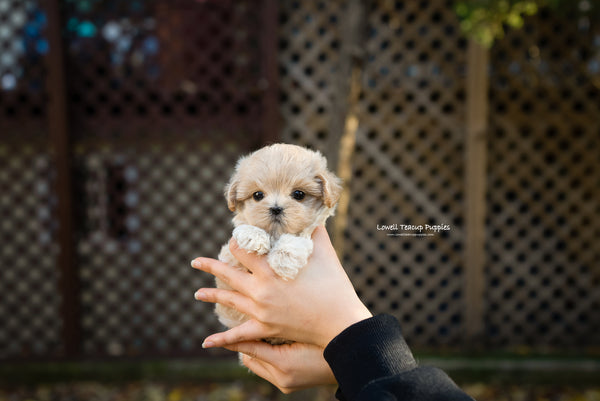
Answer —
248 331
231 299
253 349
266 371
258 367
268 353
253 262
230 275
289 367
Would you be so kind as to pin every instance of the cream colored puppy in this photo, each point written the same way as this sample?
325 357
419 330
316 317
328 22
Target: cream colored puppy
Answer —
279 195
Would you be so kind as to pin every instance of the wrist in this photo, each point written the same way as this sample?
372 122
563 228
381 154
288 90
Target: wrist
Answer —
358 314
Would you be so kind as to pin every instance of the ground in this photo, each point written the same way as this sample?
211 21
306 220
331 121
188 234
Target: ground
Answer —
260 391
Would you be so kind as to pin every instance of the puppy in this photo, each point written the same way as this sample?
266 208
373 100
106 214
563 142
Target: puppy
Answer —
279 195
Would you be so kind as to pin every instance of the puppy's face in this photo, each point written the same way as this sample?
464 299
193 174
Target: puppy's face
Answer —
282 189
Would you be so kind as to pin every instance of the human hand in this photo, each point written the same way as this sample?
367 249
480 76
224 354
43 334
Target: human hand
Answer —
313 308
289 367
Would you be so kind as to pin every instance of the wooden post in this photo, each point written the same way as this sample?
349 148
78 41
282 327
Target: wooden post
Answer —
61 152
344 163
475 187
344 124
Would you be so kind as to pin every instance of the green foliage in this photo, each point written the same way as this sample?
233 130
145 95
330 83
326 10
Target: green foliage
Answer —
485 20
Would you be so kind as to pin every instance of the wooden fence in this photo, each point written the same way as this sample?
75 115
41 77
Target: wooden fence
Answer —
502 146
472 175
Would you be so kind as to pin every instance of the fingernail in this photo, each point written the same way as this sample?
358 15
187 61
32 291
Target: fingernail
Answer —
196 263
200 295
208 344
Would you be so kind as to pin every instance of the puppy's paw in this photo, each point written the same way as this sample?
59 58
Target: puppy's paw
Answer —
289 254
252 239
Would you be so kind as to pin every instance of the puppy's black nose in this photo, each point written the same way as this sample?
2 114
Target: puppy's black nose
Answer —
276 210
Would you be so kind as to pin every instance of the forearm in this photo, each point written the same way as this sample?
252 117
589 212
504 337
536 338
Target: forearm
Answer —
371 358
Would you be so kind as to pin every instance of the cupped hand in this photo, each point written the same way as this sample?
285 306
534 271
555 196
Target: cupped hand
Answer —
312 309
289 367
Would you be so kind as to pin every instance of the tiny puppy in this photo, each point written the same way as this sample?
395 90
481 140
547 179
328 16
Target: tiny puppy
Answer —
279 195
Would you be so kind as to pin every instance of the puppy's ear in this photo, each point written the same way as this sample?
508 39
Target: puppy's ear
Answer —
331 187
231 192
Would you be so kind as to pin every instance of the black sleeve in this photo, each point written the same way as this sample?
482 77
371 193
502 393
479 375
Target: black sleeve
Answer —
371 361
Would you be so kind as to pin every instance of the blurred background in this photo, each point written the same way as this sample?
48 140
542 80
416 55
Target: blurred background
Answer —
120 123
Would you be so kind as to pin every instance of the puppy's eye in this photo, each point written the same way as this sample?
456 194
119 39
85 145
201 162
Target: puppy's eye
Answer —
298 195
258 195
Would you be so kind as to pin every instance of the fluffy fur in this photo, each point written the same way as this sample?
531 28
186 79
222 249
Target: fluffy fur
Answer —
279 195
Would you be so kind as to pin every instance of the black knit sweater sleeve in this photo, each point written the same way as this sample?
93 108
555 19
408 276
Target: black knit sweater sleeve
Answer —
371 361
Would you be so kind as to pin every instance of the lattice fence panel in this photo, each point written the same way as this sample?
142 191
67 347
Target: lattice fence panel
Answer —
29 296
309 50
408 170
165 97
542 283
544 157
408 157
148 213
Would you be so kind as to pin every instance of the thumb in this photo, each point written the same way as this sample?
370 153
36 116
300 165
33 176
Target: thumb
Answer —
250 330
257 264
